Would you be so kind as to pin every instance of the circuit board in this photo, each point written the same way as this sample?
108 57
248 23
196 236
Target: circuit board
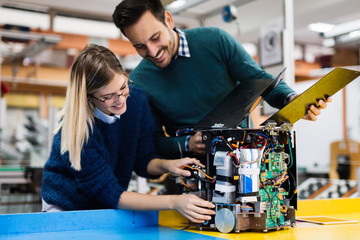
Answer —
250 176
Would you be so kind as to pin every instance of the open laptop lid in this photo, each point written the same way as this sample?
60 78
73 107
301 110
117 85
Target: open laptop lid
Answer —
325 87
238 103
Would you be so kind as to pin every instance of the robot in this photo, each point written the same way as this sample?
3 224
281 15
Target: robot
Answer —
250 176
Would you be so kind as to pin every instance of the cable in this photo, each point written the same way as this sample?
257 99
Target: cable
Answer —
291 156
271 202
193 168
236 158
198 169
188 186
279 179
252 161
295 191
219 139
266 137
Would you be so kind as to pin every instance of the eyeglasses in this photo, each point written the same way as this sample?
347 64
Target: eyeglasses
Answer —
111 98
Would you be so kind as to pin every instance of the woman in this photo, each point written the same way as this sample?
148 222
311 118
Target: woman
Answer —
104 134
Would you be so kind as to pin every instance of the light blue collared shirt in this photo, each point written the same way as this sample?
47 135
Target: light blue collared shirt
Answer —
104 117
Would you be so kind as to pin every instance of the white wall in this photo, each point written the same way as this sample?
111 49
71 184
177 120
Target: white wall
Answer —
314 138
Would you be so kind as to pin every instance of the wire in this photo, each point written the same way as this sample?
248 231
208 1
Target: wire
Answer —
279 179
271 202
252 161
268 194
245 207
189 186
234 155
264 144
235 145
294 181
244 137
266 137
219 139
197 169
262 135
291 156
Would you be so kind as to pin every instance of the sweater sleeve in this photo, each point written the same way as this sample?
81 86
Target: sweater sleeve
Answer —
96 177
167 146
145 150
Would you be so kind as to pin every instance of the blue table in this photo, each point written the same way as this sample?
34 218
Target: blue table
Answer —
90 225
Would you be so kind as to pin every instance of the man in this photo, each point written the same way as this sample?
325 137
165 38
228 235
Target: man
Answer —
187 73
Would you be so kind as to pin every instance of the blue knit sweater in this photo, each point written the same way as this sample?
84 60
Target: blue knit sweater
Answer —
189 88
112 152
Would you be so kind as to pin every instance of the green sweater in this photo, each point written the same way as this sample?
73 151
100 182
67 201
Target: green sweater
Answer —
189 88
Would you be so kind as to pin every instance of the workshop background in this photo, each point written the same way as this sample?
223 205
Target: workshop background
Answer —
41 38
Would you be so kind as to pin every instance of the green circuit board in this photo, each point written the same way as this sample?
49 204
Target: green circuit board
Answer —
272 195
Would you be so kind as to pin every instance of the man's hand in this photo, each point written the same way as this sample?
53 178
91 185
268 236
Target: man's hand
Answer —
195 144
314 111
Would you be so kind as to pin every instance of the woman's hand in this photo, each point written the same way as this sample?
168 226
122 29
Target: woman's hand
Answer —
190 206
175 166
193 208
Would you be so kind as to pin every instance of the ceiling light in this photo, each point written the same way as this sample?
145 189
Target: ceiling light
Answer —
329 42
320 27
354 34
182 5
343 28
176 4
350 37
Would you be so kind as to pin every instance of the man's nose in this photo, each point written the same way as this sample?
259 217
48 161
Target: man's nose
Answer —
152 50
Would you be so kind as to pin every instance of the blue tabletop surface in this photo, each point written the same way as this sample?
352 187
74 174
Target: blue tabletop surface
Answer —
89 225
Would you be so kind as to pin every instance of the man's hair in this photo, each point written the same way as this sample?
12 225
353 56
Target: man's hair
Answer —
128 12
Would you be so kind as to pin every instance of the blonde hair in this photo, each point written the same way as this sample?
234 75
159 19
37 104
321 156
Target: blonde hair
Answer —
92 69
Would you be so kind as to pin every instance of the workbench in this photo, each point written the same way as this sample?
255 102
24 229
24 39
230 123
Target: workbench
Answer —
123 224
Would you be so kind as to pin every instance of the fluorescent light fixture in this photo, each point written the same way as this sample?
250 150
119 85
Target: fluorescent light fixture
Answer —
343 28
344 38
61 24
329 42
354 34
85 27
320 27
176 4
23 18
350 37
182 5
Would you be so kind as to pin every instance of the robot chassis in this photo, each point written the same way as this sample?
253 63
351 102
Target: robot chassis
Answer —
250 176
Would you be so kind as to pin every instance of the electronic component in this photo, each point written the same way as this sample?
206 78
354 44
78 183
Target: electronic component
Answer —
250 176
